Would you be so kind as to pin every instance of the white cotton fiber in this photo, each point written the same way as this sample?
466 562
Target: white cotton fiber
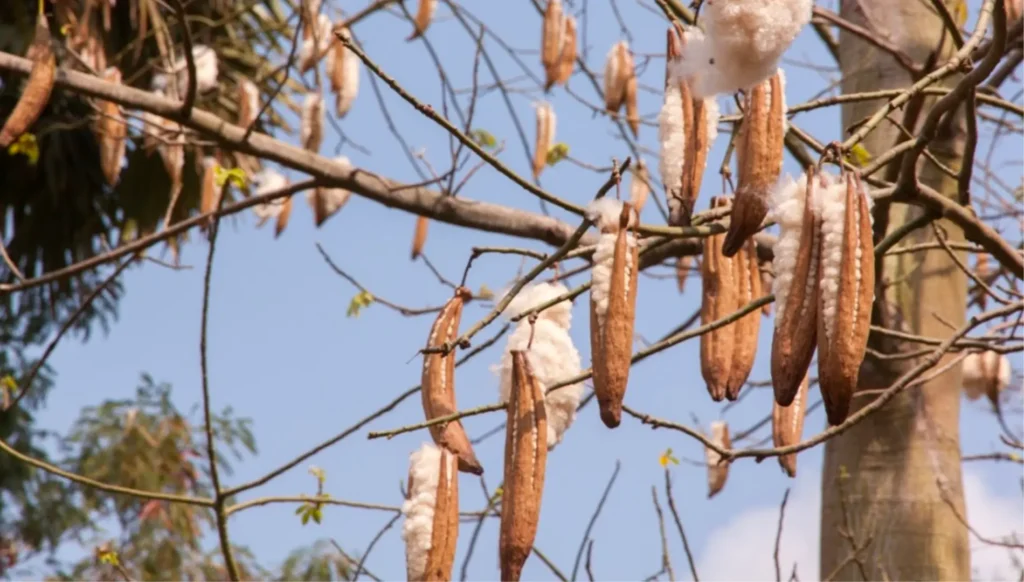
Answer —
981 368
605 212
418 509
672 137
832 202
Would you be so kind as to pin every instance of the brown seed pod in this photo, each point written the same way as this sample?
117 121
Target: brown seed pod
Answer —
312 123
283 216
748 284
248 102
111 132
788 426
632 110
567 59
546 123
209 193
419 237
37 90
618 70
613 307
719 298
431 510
438 384
343 71
639 186
526 453
759 158
683 266
766 287
424 14
718 472
552 33
846 291
796 266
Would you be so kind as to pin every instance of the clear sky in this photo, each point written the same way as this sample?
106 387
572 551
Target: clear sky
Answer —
283 352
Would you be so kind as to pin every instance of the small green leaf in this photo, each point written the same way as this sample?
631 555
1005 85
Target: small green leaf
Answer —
557 153
667 457
319 473
8 383
317 513
109 557
236 176
361 300
300 509
305 517
27 146
483 138
859 156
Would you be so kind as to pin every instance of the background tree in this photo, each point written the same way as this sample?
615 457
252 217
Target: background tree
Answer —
892 499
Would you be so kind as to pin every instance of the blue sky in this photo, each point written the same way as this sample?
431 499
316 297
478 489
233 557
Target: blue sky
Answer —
283 352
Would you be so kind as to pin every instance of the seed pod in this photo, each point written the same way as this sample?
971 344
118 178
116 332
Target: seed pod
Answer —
795 286
632 110
268 181
209 193
431 510
984 272
760 160
526 454
419 237
788 426
567 59
248 102
343 71
112 132
846 291
283 216
312 123
316 44
683 266
1014 10
424 14
748 285
546 122
986 373
717 472
618 69
37 89
612 304
438 384
310 14
326 202
766 286
551 41
639 186
719 298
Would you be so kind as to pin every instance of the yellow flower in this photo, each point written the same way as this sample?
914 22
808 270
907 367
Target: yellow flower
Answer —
667 458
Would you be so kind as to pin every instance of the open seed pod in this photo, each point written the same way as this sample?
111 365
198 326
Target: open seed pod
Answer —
248 102
718 472
37 90
526 454
438 384
686 129
431 510
788 426
111 132
720 297
315 43
639 186
546 122
986 373
424 14
551 43
618 70
612 304
326 202
759 157
312 127
795 286
846 292
748 289
343 72
567 60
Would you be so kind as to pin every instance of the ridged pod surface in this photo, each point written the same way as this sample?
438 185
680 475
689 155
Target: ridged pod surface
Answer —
788 426
719 298
431 511
37 89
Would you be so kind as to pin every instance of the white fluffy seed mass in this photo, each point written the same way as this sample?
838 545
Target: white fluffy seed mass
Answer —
979 369
207 69
743 44
334 198
418 509
832 202
672 136
605 213
267 181
787 203
552 355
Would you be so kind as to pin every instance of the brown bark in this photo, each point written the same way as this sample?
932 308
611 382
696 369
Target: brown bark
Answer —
893 474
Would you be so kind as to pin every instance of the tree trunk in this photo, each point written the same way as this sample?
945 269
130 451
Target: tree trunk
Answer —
890 484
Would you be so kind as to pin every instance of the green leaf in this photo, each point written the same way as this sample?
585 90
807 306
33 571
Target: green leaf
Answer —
305 517
483 138
25 145
557 153
361 300
317 513
236 176
859 156
319 473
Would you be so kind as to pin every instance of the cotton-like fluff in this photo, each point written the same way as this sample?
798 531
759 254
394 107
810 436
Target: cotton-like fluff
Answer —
605 213
327 201
982 369
248 102
672 136
552 355
788 211
206 74
268 181
832 203
418 509
743 44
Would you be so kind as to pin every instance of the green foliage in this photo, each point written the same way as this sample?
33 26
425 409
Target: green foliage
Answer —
361 300
557 153
483 138
319 561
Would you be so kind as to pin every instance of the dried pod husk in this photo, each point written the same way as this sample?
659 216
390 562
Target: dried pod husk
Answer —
37 90
209 193
796 266
618 70
316 44
683 266
986 373
612 304
310 13
788 426
846 292
720 298
283 216
550 350
567 59
419 236
984 272
312 122
326 202
551 42
438 384
424 15
639 186
718 472
526 454
248 102
760 160
1014 10
343 71
748 286
546 123
632 110
112 133
431 510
